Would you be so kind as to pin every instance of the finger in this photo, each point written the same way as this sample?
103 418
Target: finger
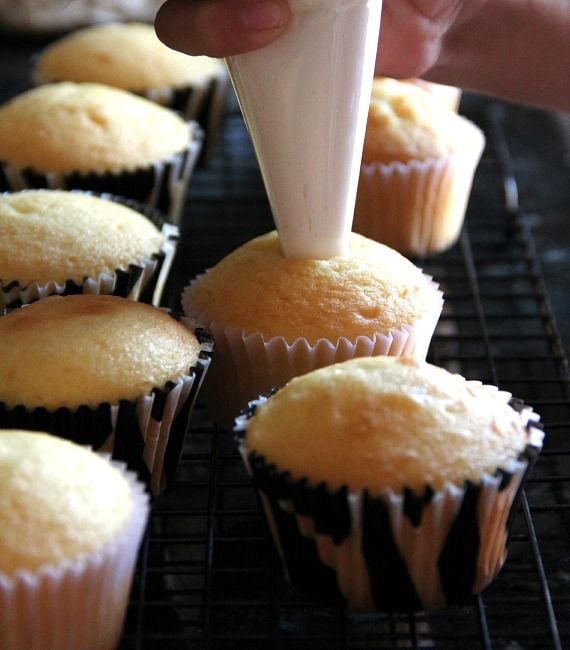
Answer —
221 28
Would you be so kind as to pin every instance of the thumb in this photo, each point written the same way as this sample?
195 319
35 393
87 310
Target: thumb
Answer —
221 28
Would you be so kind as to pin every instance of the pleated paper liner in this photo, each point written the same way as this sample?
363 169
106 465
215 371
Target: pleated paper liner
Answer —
246 366
418 207
147 433
161 186
143 280
393 551
76 604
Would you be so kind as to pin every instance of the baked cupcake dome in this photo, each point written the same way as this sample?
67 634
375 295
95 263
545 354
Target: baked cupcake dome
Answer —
72 523
103 371
419 159
125 55
272 317
53 241
407 473
130 56
95 137
449 96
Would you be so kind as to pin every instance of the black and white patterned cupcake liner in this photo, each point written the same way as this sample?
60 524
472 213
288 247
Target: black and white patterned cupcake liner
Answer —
202 102
391 551
143 280
161 186
147 433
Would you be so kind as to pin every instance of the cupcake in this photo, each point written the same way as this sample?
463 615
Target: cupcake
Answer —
417 170
387 482
130 56
72 523
98 138
53 241
115 374
448 96
272 318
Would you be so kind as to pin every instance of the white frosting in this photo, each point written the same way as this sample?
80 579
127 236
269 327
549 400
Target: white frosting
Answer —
305 99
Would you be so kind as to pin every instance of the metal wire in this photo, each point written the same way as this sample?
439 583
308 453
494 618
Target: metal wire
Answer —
208 576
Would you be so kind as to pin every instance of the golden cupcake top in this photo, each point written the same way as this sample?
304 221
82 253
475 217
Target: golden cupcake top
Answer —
125 55
59 502
449 96
55 235
384 422
407 123
89 349
67 127
371 289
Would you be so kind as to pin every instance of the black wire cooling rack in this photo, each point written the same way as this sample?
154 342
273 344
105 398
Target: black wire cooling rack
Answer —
208 577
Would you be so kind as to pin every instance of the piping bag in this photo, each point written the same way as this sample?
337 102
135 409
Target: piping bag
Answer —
305 100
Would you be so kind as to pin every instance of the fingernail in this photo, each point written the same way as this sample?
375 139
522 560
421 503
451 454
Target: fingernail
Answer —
263 15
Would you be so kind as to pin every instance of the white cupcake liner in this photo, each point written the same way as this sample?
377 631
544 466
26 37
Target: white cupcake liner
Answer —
145 277
147 433
161 186
246 366
418 207
76 604
392 551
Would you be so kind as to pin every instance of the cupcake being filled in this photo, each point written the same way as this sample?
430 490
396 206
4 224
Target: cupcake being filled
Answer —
94 137
273 318
118 375
417 170
388 482
53 241
130 56
72 523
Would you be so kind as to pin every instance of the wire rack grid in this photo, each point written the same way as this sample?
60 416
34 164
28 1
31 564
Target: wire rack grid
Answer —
208 577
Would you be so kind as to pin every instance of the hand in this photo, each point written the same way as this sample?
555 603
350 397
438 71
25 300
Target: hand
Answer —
411 35
221 28
515 49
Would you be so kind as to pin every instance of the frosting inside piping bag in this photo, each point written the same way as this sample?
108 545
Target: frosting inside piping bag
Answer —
305 101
